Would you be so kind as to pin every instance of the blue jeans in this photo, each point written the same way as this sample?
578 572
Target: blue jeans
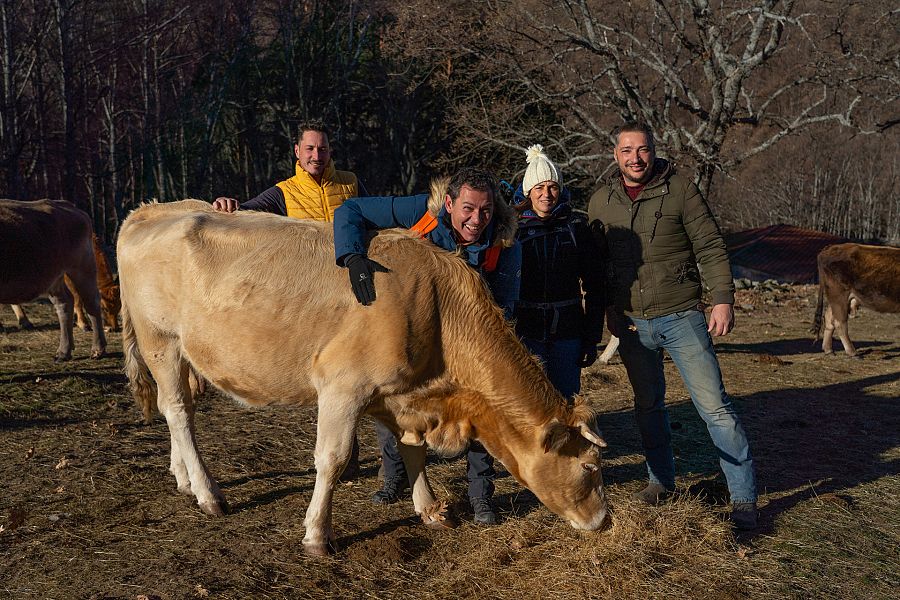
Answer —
684 336
560 358
479 468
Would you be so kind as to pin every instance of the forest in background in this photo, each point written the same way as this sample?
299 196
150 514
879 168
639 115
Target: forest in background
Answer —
786 111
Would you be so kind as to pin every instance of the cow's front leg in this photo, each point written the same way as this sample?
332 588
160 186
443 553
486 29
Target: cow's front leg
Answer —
433 512
63 303
85 286
334 441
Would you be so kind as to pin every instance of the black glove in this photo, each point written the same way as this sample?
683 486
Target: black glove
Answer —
588 354
362 277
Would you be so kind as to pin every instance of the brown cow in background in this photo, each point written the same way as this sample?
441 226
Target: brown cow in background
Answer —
868 276
110 304
40 243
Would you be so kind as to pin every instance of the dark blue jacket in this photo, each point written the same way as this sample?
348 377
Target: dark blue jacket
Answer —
560 262
356 216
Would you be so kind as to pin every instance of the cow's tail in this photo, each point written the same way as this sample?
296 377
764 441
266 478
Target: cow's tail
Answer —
816 328
140 382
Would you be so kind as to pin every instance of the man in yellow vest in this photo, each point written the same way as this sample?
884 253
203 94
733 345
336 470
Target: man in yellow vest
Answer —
313 192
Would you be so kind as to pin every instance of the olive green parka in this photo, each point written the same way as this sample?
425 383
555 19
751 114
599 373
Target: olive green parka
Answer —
655 244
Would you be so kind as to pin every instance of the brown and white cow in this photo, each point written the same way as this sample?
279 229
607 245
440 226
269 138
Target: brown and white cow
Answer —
855 273
110 305
255 304
40 243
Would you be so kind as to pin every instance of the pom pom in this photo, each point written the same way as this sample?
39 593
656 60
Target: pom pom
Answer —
534 152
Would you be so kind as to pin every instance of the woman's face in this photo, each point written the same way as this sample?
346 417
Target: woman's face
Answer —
544 196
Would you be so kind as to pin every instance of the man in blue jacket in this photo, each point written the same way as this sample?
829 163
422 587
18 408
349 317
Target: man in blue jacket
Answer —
464 216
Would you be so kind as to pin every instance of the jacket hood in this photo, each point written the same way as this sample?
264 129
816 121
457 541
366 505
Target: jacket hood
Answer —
504 221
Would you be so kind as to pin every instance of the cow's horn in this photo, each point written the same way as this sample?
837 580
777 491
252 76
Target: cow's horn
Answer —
591 436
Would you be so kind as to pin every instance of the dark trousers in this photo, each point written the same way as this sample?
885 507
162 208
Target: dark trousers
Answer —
480 470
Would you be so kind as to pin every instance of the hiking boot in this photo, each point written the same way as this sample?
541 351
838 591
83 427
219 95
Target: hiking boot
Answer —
654 494
744 515
485 514
391 490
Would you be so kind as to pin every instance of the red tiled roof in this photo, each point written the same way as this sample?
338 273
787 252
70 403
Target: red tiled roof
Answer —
781 252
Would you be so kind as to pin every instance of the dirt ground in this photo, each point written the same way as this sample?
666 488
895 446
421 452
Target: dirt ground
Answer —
89 510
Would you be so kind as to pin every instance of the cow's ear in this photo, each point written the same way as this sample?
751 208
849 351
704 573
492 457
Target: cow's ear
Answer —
555 436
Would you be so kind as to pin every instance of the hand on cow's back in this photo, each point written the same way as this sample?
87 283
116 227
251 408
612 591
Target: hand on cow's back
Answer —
362 271
228 205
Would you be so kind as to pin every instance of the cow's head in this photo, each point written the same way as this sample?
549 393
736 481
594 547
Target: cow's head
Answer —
564 471
111 305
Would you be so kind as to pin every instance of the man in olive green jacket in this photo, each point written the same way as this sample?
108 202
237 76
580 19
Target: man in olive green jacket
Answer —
660 234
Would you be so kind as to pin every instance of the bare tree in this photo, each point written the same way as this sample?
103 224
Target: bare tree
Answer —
719 81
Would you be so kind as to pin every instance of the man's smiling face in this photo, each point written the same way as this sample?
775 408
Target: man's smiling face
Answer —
635 154
470 213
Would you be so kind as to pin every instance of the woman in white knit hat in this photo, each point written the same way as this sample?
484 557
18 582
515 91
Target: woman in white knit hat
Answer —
559 315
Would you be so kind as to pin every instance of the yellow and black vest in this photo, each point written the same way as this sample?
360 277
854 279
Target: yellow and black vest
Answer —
306 199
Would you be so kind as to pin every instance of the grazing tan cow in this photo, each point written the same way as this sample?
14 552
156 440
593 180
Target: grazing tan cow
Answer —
40 243
851 274
254 303
110 305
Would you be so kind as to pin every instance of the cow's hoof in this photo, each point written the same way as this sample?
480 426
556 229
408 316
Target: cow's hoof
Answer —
320 550
185 489
437 516
98 353
62 358
441 525
214 509
27 326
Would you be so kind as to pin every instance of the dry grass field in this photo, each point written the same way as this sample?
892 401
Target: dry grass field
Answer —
89 510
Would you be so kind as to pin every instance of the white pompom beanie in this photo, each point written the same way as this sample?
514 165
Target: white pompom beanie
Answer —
540 168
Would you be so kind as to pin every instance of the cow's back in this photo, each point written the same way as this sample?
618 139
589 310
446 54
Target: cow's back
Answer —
39 241
260 308
871 273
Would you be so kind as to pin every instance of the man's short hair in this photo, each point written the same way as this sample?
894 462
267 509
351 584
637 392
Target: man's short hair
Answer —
634 127
312 125
480 180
